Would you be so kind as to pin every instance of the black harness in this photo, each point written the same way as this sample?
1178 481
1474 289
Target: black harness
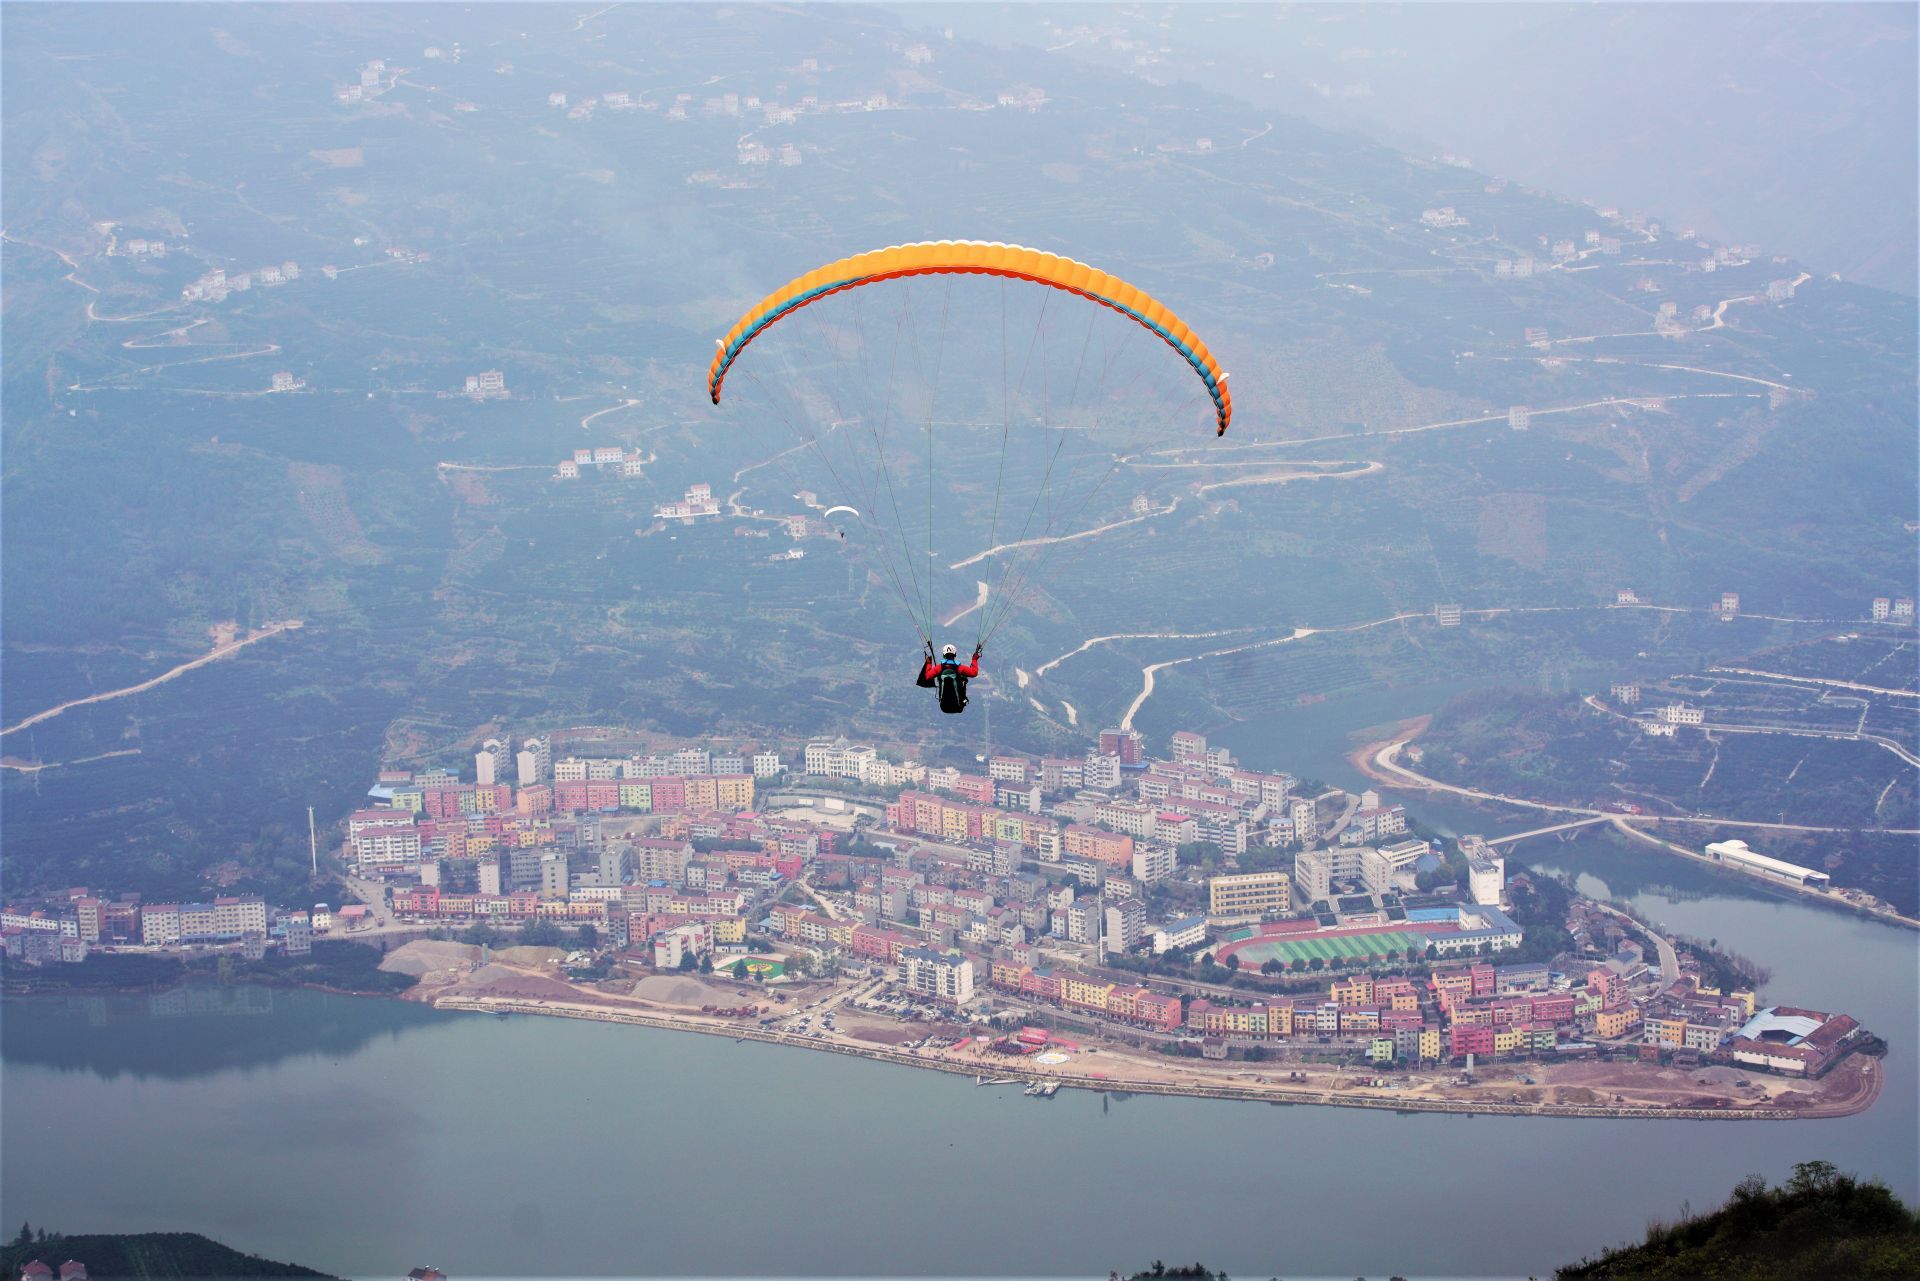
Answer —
948 682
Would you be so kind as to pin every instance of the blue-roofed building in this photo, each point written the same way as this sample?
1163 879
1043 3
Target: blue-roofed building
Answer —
1793 1041
1190 931
1480 923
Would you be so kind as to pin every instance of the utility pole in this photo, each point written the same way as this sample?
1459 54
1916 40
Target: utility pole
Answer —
313 844
986 719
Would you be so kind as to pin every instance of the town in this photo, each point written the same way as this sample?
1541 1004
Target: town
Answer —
1181 907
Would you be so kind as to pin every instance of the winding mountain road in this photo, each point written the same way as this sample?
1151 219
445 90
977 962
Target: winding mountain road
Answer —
172 673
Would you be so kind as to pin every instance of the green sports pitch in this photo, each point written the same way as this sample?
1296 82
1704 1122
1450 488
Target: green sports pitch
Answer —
1256 952
747 966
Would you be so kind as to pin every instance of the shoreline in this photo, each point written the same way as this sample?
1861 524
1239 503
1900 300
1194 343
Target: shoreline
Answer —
1378 761
1262 1092
1277 1093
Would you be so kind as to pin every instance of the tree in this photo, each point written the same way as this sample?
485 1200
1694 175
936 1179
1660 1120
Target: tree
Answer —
26 1234
540 933
1316 965
706 965
1233 961
1272 967
589 937
1198 853
1819 1223
1299 964
688 962
1812 1176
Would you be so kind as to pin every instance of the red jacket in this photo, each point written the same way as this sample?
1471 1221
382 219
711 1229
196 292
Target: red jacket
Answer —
932 669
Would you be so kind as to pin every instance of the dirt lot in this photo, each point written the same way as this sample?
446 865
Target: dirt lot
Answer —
423 957
690 992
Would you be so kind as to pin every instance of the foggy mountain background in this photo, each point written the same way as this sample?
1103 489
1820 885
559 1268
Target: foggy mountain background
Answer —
1789 126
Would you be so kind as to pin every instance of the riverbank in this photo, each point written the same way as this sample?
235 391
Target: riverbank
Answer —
1379 761
1572 1089
345 967
1860 1089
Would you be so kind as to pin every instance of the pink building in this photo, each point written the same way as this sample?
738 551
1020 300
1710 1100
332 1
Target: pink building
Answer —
975 788
1463 1041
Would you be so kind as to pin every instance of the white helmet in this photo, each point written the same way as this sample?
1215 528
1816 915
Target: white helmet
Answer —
949 652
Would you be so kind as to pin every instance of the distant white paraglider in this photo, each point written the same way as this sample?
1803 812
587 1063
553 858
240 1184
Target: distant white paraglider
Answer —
831 510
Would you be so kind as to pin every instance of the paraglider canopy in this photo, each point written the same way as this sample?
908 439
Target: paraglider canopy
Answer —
975 257
950 384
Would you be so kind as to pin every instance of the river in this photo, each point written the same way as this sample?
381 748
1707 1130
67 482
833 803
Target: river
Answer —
369 1136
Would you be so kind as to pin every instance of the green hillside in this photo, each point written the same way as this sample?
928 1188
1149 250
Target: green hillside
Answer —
146 1256
1818 1225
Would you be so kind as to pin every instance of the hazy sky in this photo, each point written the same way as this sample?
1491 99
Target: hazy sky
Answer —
1787 125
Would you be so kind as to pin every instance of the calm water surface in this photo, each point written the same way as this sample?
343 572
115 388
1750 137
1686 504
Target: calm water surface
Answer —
367 1136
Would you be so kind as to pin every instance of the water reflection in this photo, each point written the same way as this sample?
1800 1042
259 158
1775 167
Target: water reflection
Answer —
195 1029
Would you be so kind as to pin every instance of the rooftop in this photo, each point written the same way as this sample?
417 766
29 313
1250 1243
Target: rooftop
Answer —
1778 1024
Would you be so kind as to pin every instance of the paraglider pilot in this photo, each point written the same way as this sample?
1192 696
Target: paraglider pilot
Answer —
946 675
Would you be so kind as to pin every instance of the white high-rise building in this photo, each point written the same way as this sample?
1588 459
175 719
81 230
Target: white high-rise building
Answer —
1306 825
838 759
1152 861
1101 773
689 761
493 761
534 763
1126 925
945 976
1487 878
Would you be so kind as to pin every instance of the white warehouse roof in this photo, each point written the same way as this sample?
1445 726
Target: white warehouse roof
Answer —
1738 852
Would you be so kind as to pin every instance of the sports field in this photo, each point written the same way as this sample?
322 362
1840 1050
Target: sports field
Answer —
748 966
1256 952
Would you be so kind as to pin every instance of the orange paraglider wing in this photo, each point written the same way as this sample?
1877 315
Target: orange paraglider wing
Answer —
976 257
